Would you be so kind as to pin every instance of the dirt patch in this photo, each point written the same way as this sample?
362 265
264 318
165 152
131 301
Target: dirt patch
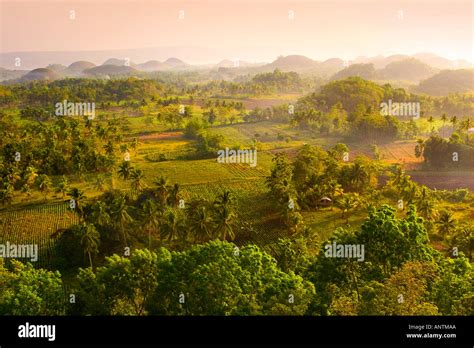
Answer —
444 181
160 136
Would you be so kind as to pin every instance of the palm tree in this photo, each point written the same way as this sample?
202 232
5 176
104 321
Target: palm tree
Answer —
453 121
172 227
346 203
100 182
444 118
409 192
174 195
400 180
6 193
44 184
358 174
397 175
109 149
427 209
224 216
431 121
200 222
13 175
162 190
446 223
62 186
134 144
125 170
123 148
121 215
425 204
78 196
137 180
466 125
26 189
224 199
224 221
100 214
149 215
90 240
30 175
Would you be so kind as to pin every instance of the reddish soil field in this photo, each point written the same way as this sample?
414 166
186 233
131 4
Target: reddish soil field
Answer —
444 180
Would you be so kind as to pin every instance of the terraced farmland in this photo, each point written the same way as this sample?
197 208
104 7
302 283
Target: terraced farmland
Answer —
36 226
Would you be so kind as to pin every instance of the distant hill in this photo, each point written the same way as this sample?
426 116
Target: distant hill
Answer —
329 67
430 59
440 62
365 71
151 65
447 81
302 64
226 63
174 63
379 61
80 66
6 74
292 63
41 74
409 69
59 68
118 62
111 70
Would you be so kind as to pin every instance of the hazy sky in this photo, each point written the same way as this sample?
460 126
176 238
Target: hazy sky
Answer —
257 30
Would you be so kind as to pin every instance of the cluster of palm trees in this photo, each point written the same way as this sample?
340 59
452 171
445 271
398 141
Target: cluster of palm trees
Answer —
464 125
135 175
200 220
411 193
424 201
62 147
159 212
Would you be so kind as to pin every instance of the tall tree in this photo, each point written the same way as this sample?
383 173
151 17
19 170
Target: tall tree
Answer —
62 186
162 190
121 215
346 203
78 197
90 240
149 214
224 215
446 223
137 180
172 226
44 185
125 170
200 221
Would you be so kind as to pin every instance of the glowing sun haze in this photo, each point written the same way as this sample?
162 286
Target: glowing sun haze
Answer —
257 30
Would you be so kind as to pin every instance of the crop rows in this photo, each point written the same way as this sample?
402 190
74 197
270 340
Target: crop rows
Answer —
36 226
241 170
